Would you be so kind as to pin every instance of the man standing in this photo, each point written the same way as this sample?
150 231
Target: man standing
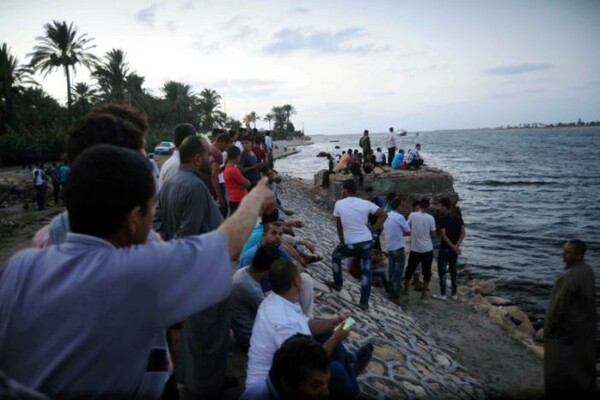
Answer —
451 229
171 166
39 181
365 143
570 328
249 165
187 208
352 216
395 228
413 158
218 146
390 143
422 227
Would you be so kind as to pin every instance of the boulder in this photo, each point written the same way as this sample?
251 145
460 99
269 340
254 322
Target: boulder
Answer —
539 335
484 287
520 319
498 301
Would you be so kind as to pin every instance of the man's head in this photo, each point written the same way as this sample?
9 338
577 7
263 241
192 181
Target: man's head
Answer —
369 194
300 369
247 144
263 259
366 132
272 233
284 277
222 141
96 128
194 153
415 205
349 188
424 204
111 195
418 146
445 205
390 196
126 112
391 129
395 203
573 251
233 154
182 131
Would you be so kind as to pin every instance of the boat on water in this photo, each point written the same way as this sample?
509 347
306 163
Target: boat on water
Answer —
334 141
401 132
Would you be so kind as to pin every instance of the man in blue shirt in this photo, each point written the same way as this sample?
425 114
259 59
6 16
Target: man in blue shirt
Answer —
113 295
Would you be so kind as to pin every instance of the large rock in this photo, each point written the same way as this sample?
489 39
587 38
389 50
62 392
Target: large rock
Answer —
520 319
539 335
483 287
498 301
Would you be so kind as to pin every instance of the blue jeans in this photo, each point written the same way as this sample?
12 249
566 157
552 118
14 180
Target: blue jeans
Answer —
343 383
447 258
362 250
396 271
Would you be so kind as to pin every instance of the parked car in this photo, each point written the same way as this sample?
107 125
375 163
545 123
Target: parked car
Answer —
164 148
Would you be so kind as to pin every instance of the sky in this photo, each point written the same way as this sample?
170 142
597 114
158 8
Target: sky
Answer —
347 65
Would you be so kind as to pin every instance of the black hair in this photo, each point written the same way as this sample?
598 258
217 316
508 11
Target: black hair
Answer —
390 196
391 129
424 203
444 201
107 182
293 362
223 137
369 189
126 112
579 245
96 128
265 256
416 203
271 217
282 273
349 185
233 152
366 132
182 131
395 203
191 146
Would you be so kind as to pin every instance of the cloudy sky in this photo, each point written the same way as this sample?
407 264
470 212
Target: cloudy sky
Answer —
348 65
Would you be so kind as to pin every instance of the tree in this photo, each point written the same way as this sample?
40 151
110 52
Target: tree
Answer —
111 75
208 103
85 97
289 110
268 118
11 74
251 119
279 117
181 100
61 47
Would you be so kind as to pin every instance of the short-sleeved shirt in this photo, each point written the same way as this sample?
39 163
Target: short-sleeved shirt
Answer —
247 256
39 177
246 296
248 159
234 183
395 227
397 161
269 142
259 153
217 154
63 173
354 214
85 319
169 168
277 320
451 223
421 225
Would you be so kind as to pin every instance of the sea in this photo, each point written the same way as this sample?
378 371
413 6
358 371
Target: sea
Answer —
522 193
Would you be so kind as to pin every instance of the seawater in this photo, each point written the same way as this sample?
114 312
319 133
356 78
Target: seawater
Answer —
522 194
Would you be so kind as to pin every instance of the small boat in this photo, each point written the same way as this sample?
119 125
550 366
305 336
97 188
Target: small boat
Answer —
401 132
334 141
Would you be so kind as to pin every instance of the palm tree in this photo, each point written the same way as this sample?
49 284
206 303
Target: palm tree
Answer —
268 118
251 119
85 97
11 74
136 93
208 103
289 110
279 116
111 75
181 99
61 47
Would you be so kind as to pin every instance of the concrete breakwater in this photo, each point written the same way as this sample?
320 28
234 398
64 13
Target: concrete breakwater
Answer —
421 350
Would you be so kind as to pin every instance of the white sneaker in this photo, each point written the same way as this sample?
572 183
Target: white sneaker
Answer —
454 297
439 297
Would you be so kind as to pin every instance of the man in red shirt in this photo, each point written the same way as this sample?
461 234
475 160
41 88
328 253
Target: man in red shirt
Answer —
258 150
235 182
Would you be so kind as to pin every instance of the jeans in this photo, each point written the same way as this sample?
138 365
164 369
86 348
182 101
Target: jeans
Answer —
362 250
342 384
395 271
391 155
447 258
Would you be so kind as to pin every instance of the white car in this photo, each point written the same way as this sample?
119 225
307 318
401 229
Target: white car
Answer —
164 148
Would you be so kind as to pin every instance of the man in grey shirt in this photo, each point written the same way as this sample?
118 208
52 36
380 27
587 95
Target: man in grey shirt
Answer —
187 208
247 293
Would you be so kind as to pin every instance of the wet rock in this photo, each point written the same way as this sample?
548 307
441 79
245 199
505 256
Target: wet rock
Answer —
483 287
520 319
539 335
498 301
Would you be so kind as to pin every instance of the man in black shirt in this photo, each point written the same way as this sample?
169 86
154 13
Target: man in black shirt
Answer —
451 230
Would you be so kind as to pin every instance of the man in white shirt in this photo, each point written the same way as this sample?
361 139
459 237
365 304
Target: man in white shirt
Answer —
395 227
390 143
356 237
422 228
171 166
280 317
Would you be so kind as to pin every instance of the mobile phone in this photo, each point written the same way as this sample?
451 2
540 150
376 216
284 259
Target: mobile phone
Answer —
348 322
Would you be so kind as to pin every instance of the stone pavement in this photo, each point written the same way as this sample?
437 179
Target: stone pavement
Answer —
407 363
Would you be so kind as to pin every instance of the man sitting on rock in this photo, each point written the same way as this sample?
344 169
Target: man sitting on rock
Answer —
300 371
413 158
279 318
247 293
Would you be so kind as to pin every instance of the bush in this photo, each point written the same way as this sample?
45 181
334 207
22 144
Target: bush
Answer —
42 145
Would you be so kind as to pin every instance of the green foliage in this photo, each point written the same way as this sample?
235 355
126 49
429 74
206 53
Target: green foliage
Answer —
47 145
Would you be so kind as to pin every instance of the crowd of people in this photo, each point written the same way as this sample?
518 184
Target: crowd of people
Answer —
133 290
